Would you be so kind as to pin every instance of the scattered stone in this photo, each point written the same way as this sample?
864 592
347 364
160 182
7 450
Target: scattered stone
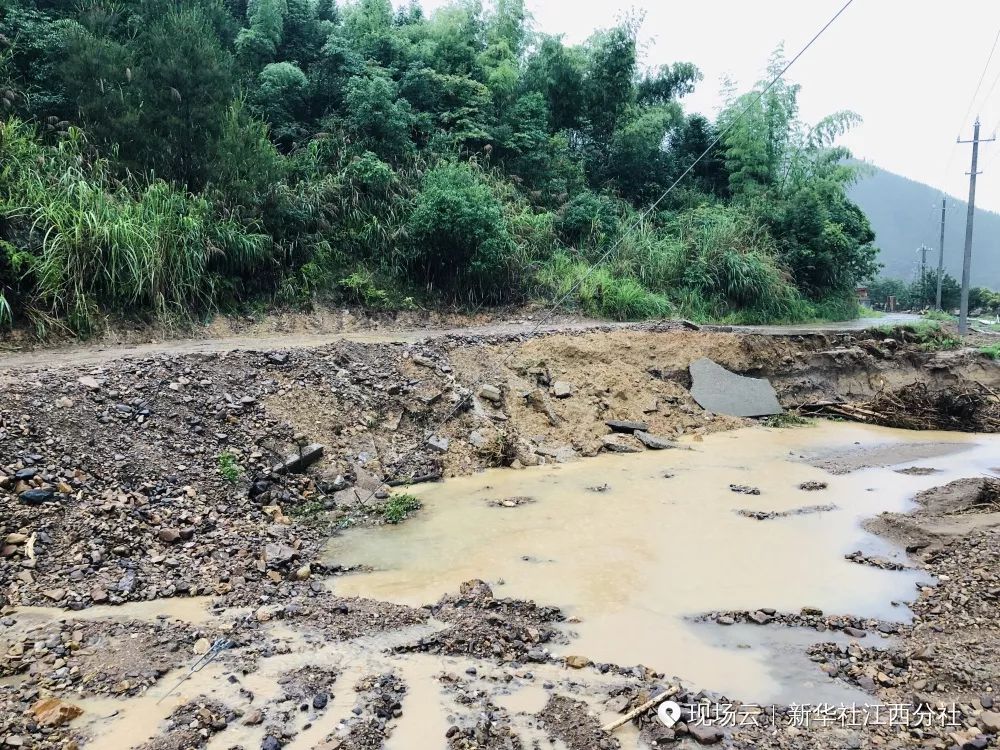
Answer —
36 496
296 462
438 443
52 712
610 444
626 426
744 489
917 471
562 389
578 662
654 442
490 393
767 515
169 536
883 563
706 734
812 486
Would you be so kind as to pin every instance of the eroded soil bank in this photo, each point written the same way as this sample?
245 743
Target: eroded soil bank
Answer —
147 484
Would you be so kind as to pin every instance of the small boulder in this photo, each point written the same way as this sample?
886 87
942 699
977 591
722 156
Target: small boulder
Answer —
169 536
52 712
562 389
490 393
438 443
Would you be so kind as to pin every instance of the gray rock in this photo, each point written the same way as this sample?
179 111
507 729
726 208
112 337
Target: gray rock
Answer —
990 721
420 359
624 425
562 389
278 554
706 735
127 582
718 390
36 496
610 444
296 462
438 443
654 442
491 393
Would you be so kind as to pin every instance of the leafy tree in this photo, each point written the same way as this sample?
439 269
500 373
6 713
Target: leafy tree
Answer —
376 116
281 98
184 85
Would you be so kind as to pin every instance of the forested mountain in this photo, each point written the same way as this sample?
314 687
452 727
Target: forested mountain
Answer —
906 214
169 157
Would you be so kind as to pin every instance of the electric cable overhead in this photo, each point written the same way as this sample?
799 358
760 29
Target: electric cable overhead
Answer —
982 77
461 404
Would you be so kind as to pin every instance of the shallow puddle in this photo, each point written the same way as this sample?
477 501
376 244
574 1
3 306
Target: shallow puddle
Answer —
664 541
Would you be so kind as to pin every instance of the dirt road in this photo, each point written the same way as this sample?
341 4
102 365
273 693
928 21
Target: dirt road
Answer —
84 355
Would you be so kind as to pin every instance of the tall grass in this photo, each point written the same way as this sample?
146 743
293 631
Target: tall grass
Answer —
708 263
93 240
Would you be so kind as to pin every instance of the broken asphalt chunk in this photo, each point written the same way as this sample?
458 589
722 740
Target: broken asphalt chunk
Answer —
718 390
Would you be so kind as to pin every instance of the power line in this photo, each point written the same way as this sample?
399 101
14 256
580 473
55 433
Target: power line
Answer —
460 405
972 102
989 93
982 77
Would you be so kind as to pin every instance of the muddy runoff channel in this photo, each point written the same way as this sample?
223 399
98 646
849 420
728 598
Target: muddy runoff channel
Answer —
650 558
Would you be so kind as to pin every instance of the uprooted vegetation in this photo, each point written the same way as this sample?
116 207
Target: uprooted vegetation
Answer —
965 407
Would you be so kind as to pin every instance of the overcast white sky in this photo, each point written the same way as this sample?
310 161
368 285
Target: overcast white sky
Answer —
908 67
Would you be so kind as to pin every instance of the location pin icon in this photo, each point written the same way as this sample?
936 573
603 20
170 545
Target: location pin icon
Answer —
668 713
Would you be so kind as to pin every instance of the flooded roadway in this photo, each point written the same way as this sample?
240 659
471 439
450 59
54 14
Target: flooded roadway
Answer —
630 547
633 546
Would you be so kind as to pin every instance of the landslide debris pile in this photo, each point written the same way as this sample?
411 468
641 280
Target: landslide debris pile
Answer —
966 406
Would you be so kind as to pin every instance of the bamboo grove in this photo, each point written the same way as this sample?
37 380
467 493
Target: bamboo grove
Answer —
167 159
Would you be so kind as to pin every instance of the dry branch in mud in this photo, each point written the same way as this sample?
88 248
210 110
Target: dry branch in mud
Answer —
964 407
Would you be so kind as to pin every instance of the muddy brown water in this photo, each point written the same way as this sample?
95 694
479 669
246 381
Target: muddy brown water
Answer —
634 562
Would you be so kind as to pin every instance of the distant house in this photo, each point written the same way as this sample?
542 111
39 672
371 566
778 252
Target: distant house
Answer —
862 296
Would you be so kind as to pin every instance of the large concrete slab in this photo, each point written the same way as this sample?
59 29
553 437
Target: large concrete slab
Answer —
718 390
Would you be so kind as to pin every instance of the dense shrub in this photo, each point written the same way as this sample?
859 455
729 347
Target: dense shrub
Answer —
459 239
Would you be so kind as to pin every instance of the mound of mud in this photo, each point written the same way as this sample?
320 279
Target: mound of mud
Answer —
950 511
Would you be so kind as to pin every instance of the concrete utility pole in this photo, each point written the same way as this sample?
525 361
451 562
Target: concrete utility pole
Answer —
963 316
940 275
923 275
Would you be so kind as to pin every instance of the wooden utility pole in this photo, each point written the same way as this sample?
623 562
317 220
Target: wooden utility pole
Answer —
963 316
940 274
